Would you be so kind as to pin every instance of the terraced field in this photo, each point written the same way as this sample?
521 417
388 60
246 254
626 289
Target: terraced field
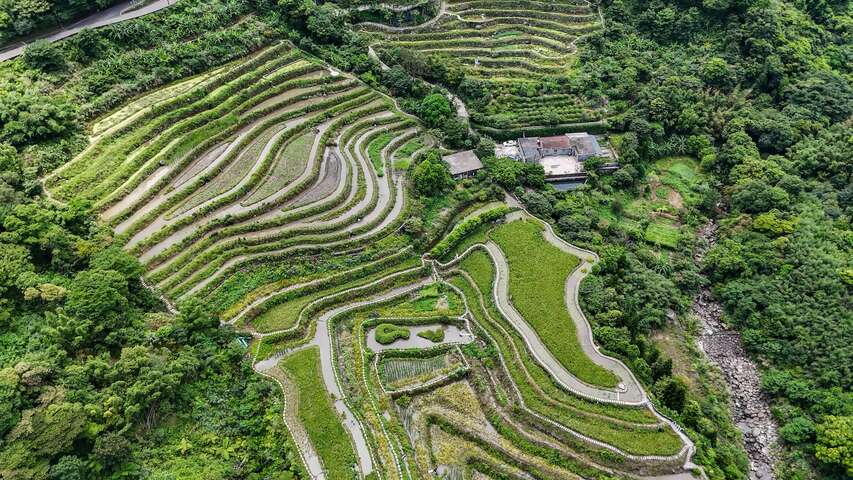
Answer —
515 47
248 164
274 190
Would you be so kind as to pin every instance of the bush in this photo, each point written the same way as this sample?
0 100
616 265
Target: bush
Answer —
463 229
387 333
434 336
43 55
434 109
431 176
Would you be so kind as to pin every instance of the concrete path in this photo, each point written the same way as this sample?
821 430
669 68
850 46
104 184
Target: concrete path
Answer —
323 338
628 392
633 387
116 13
306 450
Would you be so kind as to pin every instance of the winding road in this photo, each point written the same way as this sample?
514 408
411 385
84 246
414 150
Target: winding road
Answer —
115 14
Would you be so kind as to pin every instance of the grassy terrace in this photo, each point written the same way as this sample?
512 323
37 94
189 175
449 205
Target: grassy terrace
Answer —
286 314
514 46
626 428
537 277
260 188
430 301
202 175
318 415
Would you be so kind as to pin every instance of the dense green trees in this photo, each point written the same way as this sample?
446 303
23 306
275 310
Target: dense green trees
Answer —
21 17
89 365
84 371
431 176
769 121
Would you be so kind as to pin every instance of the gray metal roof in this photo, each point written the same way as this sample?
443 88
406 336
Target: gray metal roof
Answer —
463 162
586 144
528 146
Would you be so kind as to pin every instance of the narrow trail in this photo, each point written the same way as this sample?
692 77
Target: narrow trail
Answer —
330 376
627 393
306 450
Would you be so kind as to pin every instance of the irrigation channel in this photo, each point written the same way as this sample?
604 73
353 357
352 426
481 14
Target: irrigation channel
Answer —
274 189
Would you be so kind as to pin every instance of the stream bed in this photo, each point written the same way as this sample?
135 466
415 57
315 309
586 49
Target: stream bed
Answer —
723 347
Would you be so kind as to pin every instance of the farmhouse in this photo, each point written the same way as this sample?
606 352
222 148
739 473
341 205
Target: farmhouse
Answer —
561 156
463 164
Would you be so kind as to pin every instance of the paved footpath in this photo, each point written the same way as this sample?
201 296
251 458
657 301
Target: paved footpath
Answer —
324 340
628 392
116 13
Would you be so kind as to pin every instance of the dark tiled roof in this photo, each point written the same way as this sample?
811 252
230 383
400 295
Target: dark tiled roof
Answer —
463 162
557 141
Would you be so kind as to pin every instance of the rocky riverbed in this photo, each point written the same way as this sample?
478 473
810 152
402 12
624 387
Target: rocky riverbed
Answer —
749 405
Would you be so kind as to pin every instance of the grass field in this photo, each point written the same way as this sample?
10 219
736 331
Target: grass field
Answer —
431 300
663 232
403 157
537 277
318 415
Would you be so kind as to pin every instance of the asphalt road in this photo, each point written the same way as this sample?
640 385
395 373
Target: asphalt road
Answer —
111 15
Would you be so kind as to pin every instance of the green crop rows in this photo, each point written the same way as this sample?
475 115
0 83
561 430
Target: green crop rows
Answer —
318 415
537 273
522 49
275 192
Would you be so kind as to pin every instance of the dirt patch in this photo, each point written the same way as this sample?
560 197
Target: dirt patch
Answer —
674 199
442 304
670 341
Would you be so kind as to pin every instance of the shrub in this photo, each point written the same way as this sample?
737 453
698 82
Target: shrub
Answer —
44 56
434 336
387 333
431 176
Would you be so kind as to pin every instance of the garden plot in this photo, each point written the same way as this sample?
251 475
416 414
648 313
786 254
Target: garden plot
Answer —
453 335
654 214
434 300
288 165
397 373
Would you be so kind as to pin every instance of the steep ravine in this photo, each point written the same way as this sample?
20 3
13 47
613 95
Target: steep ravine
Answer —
723 347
